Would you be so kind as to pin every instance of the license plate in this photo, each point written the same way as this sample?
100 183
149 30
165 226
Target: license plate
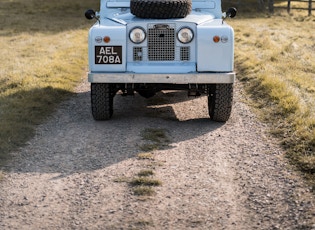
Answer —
108 55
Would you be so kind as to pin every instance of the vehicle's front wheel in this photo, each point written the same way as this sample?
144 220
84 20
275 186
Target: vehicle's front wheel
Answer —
220 101
102 96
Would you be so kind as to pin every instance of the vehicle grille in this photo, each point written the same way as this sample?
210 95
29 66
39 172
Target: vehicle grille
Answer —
185 53
161 43
137 54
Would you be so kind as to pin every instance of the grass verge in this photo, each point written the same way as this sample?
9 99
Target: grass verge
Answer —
275 63
43 54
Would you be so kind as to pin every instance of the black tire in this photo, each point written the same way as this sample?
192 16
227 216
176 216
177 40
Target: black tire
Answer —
160 9
220 101
102 97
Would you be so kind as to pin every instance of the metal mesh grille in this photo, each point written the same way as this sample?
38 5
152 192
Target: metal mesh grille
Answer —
137 53
161 43
185 53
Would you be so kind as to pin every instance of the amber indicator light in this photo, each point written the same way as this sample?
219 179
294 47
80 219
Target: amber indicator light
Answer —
106 39
216 39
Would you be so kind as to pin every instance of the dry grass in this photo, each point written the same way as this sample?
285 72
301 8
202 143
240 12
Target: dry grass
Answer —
145 181
145 173
156 139
143 185
145 156
43 54
155 135
275 62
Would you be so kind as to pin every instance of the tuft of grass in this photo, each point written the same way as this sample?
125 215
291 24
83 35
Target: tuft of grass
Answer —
145 181
143 191
142 185
43 54
145 156
157 139
154 135
145 173
277 70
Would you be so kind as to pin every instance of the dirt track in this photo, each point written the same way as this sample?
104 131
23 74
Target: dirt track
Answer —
214 175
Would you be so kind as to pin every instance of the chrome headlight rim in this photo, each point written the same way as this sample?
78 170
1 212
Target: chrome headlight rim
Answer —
142 37
185 39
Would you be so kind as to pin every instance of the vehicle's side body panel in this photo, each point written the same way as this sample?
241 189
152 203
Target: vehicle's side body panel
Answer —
212 56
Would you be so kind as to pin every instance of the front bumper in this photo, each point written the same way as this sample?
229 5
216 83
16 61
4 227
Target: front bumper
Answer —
187 78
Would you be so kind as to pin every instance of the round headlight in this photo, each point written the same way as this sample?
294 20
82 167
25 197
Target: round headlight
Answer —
185 35
137 35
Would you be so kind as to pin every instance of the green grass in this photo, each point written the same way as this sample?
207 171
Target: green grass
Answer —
43 54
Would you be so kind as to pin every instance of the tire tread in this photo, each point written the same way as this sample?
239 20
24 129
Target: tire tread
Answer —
101 101
160 9
220 101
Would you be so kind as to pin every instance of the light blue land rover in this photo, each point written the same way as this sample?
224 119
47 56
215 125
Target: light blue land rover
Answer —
146 46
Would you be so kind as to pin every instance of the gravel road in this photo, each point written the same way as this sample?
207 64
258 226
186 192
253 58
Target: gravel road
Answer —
73 174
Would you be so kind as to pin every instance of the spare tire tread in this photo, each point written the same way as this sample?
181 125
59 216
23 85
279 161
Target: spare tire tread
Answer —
160 9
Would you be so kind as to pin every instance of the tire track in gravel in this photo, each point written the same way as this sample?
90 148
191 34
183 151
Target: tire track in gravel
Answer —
215 175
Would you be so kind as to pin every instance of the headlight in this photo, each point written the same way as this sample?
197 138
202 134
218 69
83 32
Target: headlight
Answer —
137 35
185 35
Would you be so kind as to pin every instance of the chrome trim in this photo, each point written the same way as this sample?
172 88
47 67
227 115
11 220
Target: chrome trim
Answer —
187 78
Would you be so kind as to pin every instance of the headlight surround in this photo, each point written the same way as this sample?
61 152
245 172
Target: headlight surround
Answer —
185 35
137 35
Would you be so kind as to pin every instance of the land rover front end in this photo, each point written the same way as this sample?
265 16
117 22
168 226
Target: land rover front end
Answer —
146 46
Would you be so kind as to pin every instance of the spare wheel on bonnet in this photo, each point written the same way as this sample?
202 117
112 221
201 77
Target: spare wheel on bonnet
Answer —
160 9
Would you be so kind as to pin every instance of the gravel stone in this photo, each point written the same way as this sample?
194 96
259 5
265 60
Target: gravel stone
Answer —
229 175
